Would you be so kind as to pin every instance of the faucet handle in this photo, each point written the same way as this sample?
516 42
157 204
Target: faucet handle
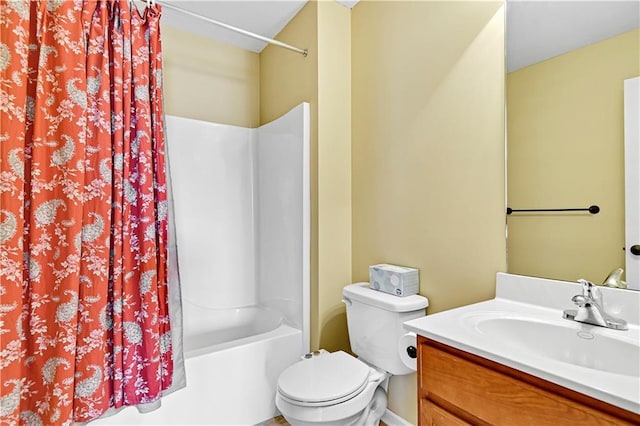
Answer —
580 300
590 291
587 287
590 308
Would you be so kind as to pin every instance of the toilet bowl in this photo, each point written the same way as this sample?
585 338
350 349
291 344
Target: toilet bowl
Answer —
338 389
331 388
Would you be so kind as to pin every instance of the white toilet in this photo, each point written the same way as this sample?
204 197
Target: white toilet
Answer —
337 389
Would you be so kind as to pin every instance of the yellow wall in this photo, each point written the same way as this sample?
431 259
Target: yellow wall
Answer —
323 79
428 150
208 80
334 172
566 149
415 91
213 81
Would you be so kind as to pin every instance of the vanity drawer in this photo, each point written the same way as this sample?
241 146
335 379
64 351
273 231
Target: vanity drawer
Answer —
478 391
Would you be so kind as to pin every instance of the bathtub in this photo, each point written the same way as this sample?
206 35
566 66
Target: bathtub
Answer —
241 199
232 359
208 329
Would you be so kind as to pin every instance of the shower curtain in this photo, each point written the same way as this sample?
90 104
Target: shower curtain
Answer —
84 320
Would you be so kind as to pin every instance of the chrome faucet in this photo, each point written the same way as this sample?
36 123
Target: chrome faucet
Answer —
614 279
591 309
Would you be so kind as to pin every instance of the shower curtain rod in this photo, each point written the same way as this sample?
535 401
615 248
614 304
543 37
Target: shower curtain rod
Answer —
303 52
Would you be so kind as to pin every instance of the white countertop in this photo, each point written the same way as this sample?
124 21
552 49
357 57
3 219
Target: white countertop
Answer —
542 301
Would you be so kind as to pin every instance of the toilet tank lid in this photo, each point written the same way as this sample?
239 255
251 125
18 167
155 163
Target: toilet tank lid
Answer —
362 293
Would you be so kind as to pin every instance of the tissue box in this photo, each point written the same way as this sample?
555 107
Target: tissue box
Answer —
392 279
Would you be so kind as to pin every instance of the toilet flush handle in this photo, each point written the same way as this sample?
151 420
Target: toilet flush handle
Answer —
412 352
346 301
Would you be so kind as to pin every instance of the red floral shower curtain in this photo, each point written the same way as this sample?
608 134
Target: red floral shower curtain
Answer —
84 321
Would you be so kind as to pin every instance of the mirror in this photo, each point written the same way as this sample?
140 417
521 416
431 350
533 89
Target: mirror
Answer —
566 66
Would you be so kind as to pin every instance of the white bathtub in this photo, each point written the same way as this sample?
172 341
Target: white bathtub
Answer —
241 199
207 330
233 360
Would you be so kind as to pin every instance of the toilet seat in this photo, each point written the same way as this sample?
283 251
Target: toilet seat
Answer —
305 395
323 380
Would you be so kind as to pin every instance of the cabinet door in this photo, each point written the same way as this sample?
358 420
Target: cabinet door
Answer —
482 395
433 415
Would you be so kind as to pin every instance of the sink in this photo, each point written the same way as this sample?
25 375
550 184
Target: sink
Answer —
523 328
578 345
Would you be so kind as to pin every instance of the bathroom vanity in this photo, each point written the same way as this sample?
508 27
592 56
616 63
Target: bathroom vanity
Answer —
459 388
515 360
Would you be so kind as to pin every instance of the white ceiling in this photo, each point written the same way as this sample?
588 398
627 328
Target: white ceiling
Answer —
263 17
539 30
536 29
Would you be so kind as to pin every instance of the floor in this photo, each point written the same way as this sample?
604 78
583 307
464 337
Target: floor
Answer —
276 421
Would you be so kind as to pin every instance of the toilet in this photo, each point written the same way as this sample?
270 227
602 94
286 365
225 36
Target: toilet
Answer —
335 388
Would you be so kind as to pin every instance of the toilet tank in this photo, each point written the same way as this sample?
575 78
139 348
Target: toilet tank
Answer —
375 326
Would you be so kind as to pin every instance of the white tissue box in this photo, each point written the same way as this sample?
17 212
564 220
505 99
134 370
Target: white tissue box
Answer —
392 279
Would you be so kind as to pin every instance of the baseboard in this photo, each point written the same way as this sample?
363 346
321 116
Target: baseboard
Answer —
392 419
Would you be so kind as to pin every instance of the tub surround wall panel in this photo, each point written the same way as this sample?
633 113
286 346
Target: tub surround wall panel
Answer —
280 201
428 149
286 79
240 207
212 174
323 79
208 80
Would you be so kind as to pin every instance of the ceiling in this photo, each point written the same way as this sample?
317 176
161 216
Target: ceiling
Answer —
536 29
263 17
539 30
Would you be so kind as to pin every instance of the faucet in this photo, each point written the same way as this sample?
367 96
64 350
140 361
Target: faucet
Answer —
591 309
614 279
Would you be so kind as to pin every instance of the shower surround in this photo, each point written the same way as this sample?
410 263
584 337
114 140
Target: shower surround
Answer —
241 199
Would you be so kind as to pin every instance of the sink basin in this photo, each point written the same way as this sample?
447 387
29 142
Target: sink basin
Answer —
523 328
584 346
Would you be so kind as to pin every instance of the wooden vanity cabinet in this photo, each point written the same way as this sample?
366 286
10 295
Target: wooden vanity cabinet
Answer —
458 388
